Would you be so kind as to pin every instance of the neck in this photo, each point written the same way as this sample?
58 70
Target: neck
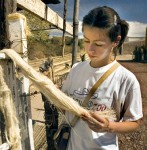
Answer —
100 63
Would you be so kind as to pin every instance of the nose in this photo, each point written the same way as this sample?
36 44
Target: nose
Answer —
91 47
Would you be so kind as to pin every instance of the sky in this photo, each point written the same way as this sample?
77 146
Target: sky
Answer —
133 11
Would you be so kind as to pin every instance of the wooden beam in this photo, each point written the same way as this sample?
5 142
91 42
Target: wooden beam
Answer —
37 7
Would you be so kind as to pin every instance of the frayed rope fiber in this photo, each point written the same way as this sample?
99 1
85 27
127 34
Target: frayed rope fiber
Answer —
46 86
12 131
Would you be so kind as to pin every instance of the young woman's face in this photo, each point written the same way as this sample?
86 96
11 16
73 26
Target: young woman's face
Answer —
97 44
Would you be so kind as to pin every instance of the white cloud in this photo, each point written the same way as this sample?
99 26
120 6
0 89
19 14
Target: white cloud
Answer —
137 29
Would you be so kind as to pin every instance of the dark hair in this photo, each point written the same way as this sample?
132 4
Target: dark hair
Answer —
107 18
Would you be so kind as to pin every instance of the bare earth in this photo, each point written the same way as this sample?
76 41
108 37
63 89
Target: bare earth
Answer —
137 140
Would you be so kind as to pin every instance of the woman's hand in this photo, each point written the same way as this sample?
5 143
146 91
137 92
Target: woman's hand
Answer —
96 122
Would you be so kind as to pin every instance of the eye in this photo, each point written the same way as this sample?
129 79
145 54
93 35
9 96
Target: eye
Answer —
98 44
86 41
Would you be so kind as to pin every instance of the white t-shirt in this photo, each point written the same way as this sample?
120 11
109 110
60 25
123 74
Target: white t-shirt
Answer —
120 91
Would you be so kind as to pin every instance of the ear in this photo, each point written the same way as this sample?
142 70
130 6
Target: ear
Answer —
117 40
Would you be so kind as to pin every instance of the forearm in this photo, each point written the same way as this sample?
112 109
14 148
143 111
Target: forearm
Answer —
98 124
123 127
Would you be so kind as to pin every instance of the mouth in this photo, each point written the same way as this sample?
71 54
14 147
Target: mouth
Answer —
91 56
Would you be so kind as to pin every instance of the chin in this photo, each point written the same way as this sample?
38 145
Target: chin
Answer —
95 59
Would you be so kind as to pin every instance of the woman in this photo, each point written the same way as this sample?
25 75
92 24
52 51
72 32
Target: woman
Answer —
103 32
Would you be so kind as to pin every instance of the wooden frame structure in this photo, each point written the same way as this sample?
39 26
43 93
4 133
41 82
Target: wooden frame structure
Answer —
38 8
20 86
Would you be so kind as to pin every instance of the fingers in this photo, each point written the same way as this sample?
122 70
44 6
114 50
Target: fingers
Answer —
91 125
91 121
96 116
93 117
95 121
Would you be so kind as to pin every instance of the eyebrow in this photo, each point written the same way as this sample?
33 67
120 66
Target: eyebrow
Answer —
94 40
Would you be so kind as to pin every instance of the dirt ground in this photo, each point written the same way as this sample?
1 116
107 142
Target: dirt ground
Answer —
137 140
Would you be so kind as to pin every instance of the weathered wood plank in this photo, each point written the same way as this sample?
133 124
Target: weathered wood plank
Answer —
38 8
19 83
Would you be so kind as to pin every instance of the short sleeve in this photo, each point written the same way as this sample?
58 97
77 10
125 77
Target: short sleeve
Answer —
66 85
133 104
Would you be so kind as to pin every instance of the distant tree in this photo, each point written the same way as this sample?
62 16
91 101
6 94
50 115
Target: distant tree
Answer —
81 43
37 26
56 40
68 40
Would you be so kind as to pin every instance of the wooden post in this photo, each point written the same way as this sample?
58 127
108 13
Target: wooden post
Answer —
18 38
121 50
64 28
6 7
12 32
75 31
2 29
2 43
146 40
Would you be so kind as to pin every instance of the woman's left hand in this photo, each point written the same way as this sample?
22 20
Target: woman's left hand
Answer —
96 122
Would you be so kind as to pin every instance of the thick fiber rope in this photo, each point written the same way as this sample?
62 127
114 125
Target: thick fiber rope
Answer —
46 86
12 131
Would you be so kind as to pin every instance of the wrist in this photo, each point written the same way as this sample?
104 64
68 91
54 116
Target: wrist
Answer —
107 128
110 126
